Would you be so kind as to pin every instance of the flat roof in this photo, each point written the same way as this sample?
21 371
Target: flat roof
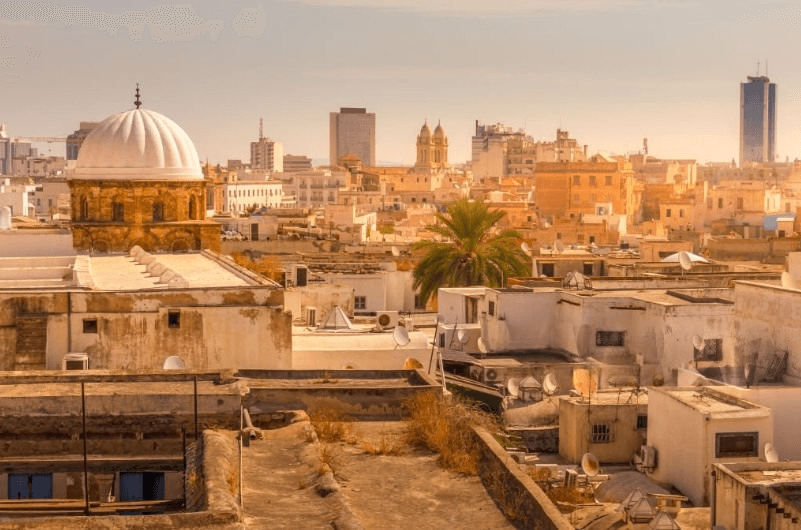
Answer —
122 273
620 396
706 400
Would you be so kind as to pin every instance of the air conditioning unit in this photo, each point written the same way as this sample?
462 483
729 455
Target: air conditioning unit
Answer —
386 319
311 316
491 375
75 361
648 457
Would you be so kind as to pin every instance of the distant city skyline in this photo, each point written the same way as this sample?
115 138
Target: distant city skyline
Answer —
610 73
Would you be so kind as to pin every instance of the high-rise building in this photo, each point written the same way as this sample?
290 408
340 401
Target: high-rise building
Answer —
757 120
352 131
266 154
294 163
75 140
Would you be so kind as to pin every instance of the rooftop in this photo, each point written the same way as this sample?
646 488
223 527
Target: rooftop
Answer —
709 401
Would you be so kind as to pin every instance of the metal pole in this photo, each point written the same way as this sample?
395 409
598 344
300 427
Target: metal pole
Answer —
85 466
183 444
433 345
195 380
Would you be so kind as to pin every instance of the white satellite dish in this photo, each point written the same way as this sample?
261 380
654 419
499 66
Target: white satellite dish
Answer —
771 455
526 249
787 281
685 261
513 386
173 362
401 336
395 251
590 464
549 385
558 246
482 345
462 336
698 342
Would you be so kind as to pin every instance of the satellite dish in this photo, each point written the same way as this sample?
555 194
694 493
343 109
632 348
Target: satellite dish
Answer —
526 249
173 362
482 345
787 281
558 246
685 261
462 336
550 385
513 386
401 336
395 251
771 455
698 342
590 464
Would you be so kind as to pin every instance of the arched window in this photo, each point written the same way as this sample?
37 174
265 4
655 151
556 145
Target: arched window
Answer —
193 208
158 212
117 211
84 210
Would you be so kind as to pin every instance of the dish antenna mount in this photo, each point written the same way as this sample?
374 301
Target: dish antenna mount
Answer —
685 261
590 464
526 248
401 336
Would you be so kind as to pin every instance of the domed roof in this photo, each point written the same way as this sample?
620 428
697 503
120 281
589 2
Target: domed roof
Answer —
439 131
138 144
425 132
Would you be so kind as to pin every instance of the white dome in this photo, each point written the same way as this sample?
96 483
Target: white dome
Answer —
137 144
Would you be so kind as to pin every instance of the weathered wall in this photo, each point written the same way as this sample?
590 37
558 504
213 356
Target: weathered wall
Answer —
515 492
220 328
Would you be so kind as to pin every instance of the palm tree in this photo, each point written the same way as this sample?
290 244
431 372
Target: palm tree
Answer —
475 251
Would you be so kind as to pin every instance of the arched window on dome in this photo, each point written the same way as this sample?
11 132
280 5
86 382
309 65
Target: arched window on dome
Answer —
158 212
117 211
193 210
84 209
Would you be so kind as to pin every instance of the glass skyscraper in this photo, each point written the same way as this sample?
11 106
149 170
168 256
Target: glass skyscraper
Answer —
757 121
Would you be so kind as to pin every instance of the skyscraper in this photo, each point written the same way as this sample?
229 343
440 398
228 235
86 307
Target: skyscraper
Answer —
352 131
266 154
757 120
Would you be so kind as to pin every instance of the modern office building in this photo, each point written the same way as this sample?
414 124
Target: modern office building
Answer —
267 154
352 131
757 121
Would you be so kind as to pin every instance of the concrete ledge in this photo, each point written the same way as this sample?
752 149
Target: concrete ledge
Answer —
221 474
515 492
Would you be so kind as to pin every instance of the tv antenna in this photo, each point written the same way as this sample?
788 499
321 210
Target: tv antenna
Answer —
549 385
173 362
401 336
590 465
395 251
513 387
685 261
526 248
482 346
462 337
261 128
771 455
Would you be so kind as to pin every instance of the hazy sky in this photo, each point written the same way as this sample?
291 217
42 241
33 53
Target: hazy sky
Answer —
611 72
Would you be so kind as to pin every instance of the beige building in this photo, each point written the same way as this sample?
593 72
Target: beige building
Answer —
564 188
352 130
432 149
267 155
712 428
610 424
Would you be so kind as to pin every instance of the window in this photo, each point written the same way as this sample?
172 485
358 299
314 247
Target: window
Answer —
30 485
90 325
712 350
148 486
547 269
681 212
608 180
418 302
117 211
642 422
360 302
174 319
603 433
667 212
720 203
592 180
491 309
736 444
610 338
709 204
158 212
576 180
587 268
441 340
576 198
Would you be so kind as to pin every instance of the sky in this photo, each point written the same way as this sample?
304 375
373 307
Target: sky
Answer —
611 72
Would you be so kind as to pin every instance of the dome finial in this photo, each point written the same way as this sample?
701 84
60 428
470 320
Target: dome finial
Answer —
137 102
